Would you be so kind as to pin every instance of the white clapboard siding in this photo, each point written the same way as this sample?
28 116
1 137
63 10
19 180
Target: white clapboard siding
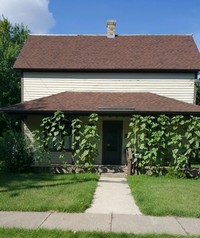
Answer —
177 86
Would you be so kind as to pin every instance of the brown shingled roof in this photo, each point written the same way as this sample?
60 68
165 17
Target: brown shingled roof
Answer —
130 52
102 102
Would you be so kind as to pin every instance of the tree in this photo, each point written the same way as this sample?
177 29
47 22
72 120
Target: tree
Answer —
12 39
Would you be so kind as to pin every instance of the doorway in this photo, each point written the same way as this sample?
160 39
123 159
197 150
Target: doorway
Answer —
112 142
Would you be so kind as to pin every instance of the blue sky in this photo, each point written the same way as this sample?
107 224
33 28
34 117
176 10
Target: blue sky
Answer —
89 16
133 16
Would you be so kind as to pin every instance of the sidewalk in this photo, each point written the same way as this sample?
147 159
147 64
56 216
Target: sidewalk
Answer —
113 196
138 224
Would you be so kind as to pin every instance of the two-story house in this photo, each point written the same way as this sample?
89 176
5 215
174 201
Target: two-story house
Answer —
113 75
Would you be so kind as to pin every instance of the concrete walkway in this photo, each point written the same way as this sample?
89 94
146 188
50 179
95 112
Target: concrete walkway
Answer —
113 196
101 222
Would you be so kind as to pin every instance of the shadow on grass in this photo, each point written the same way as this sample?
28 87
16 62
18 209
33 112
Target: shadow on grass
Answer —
17 182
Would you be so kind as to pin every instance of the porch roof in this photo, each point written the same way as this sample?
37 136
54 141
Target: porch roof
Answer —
104 103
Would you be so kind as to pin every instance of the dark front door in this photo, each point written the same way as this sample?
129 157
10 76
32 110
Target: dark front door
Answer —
112 142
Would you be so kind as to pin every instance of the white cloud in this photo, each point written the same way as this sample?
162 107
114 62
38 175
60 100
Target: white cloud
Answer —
32 13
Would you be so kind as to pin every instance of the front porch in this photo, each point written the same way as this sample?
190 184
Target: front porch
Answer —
114 112
113 131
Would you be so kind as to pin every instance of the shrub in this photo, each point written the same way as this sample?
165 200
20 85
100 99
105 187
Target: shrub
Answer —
16 152
174 173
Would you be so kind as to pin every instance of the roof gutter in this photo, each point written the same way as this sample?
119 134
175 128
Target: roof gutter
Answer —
104 112
110 70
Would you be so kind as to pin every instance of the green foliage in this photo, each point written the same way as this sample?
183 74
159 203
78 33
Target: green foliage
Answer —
178 126
174 173
148 137
11 41
136 138
16 152
76 137
192 137
197 92
184 139
41 153
157 139
52 135
85 140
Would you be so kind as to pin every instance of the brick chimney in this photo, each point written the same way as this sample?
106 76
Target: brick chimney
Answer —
111 24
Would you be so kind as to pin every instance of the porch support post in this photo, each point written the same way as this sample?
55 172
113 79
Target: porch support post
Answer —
129 161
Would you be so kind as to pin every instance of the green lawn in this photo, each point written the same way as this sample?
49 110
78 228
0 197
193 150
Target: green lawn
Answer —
163 196
21 233
45 192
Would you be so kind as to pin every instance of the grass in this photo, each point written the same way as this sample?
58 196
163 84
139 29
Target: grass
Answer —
163 196
22 233
45 192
